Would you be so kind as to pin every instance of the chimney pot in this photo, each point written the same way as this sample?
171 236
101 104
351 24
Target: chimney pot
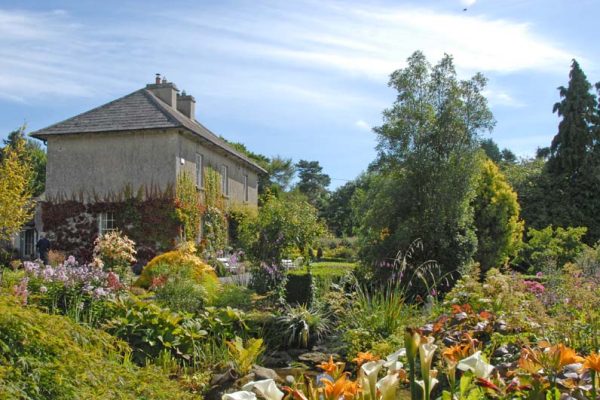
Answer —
157 80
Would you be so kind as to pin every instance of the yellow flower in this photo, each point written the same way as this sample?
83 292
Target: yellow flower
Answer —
362 358
592 362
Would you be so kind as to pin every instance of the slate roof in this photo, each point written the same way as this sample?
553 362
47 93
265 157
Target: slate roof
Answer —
139 110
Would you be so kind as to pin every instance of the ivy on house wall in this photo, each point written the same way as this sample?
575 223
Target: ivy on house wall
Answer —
188 206
214 235
150 221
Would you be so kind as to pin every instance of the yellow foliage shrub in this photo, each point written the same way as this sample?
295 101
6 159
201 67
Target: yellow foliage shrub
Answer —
182 262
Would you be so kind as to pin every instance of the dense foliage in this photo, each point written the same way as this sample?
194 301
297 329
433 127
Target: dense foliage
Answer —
50 357
16 175
428 161
498 227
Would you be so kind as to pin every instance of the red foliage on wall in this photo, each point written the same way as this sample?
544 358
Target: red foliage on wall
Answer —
151 223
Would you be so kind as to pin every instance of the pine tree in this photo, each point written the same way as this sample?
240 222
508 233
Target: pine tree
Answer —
573 144
571 181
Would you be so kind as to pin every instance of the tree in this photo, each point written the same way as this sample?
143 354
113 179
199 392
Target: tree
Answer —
508 156
428 162
572 146
16 204
34 154
282 224
313 182
499 229
492 150
339 213
571 180
281 171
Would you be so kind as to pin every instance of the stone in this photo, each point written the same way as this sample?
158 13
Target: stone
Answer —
226 377
316 357
277 359
261 373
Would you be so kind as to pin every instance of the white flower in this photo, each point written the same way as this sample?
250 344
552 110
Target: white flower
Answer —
432 383
368 376
426 351
266 388
477 365
392 363
387 386
243 395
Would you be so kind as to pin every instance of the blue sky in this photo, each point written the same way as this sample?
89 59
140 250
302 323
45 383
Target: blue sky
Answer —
301 79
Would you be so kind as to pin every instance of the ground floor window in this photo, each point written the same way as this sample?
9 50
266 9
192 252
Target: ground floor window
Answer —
106 222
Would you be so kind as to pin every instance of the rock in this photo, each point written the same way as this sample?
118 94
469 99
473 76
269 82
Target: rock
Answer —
277 359
501 351
228 376
264 373
316 357
246 379
290 380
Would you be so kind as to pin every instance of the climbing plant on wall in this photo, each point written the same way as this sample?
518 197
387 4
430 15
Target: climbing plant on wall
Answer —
215 222
189 208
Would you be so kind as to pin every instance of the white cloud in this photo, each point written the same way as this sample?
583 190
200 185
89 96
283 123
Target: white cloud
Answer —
502 98
362 125
468 3
275 49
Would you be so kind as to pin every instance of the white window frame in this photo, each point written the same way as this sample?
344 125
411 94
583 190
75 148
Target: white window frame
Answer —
245 187
225 179
200 171
106 222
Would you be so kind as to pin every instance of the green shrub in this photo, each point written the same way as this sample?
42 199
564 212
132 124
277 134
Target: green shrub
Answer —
50 357
181 294
551 246
150 330
235 296
300 287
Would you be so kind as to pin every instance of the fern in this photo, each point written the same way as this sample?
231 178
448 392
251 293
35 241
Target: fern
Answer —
244 356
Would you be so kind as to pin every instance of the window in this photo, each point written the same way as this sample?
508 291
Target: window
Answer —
106 222
225 180
245 187
199 170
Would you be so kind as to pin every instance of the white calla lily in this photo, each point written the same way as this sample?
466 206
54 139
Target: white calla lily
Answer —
387 386
392 363
242 395
368 378
265 388
477 365
432 383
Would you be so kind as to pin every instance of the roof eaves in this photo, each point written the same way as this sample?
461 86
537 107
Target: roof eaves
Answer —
200 130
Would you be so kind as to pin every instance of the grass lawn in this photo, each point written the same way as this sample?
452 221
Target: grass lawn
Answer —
326 268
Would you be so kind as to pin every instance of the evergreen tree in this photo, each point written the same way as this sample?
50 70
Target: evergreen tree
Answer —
572 146
497 223
313 183
571 180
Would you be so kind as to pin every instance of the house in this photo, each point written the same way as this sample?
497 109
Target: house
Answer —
115 166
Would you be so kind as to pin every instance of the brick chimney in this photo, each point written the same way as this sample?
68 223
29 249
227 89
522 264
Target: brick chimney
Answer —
186 104
166 91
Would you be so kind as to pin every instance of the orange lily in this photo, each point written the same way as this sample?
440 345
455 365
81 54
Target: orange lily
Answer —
341 387
592 362
456 353
564 355
329 367
362 358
